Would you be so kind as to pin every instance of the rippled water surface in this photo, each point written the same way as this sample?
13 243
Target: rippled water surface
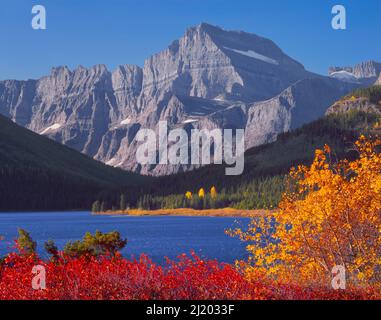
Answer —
158 237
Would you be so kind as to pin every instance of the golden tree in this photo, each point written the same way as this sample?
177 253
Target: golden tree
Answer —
201 193
213 192
188 195
330 215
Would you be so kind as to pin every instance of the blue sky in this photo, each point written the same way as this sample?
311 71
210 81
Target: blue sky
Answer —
113 32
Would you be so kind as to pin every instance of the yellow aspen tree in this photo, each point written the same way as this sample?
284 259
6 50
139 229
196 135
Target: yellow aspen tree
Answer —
330 215
201 193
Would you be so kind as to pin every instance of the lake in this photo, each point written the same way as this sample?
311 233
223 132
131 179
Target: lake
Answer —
158 237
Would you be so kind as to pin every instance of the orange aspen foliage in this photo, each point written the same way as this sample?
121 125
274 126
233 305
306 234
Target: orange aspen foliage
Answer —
330 215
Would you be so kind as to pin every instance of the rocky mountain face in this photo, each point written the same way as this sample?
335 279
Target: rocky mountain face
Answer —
210 78
73 107
369 69
301 103
364 73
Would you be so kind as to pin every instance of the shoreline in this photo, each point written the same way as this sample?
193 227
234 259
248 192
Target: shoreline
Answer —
187 212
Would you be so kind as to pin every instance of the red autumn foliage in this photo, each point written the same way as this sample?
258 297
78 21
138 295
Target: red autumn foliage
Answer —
110 278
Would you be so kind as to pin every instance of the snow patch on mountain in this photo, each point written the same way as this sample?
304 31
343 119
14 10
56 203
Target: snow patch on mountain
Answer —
53 127
190 121
111 162
119 164
254 55
126 121
344 76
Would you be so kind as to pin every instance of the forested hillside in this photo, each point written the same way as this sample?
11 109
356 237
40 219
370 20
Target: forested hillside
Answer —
39 174
262 183
372 93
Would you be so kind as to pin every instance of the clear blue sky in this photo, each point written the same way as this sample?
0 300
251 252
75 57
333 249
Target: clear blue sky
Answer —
114 32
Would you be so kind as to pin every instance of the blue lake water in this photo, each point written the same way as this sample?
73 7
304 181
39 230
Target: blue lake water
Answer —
158 237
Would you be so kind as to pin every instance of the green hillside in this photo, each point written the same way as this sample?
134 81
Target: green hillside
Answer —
373 94
37 173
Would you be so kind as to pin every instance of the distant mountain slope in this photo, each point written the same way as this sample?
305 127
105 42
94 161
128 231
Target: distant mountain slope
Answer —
37 173
275 159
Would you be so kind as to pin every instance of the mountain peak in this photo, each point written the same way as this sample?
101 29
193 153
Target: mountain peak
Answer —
204 26
214 30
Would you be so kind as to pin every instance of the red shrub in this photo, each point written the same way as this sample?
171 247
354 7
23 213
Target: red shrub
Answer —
117 278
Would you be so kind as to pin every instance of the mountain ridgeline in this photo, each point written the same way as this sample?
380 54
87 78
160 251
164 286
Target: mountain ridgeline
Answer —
209 78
